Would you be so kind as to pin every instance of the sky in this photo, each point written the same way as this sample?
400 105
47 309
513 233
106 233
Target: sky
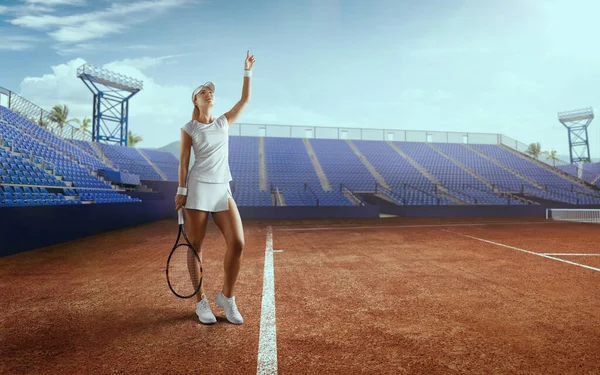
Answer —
440 65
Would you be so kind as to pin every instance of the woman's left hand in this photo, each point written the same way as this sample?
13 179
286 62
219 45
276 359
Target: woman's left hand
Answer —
249 63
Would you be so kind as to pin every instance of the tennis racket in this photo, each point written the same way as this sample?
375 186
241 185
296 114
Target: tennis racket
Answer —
184 268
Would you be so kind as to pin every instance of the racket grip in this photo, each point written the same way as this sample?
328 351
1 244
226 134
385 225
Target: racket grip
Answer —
180 215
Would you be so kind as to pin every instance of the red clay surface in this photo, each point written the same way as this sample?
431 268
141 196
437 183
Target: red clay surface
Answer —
588 261
404 297
557 238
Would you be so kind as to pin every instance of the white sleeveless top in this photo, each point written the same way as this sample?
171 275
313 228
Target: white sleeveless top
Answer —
211 150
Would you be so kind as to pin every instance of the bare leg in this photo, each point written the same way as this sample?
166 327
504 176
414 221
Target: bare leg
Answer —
230 224
195 227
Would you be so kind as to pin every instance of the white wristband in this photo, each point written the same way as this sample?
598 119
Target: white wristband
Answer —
248 73
181 191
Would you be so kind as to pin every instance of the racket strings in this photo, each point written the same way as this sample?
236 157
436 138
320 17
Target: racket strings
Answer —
184 271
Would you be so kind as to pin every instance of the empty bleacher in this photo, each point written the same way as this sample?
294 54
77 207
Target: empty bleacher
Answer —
409 185
129 160
590 172
243 162
166 162
290 170
342 166
553 186
38 167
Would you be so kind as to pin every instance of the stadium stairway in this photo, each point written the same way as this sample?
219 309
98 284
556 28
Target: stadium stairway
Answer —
511 170
325 184
493 189
103 156
262 165
367 164
556 171
160 173
278 197
420 168
79 148
352 197
387 195
462 166
453 198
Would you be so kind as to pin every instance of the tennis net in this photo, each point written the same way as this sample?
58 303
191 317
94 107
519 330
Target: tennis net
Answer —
580 215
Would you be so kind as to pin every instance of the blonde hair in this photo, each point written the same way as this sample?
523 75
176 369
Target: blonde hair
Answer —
196 113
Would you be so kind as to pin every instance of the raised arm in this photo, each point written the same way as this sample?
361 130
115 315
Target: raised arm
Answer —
237 109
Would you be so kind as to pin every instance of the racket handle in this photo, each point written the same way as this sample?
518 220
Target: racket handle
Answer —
180 215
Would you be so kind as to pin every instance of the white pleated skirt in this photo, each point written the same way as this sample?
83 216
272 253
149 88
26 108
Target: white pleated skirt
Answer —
205 196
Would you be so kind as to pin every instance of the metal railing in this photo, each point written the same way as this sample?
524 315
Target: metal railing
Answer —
37 115
306 186
344 188
389 193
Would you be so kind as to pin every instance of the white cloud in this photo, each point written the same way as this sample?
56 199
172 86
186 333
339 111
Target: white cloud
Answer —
145 62
35 7
56 2
156 113
63 50
77 28
86 31
16 42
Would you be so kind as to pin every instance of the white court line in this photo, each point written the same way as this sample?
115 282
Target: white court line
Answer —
526 251
267 342
286 229
571 255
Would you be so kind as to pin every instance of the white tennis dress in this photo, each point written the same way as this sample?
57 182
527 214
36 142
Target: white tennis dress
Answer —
208 180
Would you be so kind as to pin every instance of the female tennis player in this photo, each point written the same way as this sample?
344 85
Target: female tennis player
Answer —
207 189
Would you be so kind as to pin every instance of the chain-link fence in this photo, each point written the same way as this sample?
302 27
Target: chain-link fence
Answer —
39 116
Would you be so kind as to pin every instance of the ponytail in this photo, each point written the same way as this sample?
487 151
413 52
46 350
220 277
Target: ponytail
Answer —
196 113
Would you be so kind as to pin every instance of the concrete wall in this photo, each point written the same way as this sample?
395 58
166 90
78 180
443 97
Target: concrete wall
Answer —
26 228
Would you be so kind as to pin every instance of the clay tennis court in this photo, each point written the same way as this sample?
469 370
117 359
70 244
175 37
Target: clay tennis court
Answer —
387 296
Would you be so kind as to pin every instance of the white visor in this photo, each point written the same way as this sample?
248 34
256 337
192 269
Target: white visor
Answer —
210 85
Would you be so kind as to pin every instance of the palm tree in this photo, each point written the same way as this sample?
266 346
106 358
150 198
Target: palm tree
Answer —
535 149
133 139
84 125
551 155
59 115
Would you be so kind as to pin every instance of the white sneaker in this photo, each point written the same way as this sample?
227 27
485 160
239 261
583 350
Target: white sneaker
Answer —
204 312
231 310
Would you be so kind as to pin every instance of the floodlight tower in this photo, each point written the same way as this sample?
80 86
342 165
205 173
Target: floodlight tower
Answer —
112 92
577 122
